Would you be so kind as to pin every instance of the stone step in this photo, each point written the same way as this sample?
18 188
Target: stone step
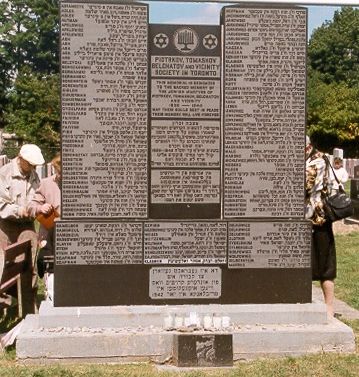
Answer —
153 344
93 335
129 316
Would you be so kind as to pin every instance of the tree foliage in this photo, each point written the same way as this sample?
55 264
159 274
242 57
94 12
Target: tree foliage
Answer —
5 65
34 110
333 83
333 49
30 34
29 79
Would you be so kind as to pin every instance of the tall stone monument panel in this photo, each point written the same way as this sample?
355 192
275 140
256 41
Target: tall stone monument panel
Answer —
104 110
181 186
264 111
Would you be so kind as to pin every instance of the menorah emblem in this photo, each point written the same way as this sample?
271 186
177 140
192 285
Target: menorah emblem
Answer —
185 40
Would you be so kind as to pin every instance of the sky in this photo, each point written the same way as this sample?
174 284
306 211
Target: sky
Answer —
208 13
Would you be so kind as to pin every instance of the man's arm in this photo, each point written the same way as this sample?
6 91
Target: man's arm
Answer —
8 208
38 203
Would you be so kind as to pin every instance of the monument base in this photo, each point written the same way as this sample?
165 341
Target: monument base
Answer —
138 333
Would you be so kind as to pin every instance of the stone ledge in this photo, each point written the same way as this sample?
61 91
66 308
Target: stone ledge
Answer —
133 316
38 344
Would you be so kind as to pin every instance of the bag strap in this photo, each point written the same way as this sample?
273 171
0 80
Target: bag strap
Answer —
328 163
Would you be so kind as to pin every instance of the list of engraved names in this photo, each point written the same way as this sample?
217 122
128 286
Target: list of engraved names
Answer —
104 110
98 243
264 112
269 244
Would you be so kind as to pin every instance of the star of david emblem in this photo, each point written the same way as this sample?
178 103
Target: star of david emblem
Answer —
210 41
161 40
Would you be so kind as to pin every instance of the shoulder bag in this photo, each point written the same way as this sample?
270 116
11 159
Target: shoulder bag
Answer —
337 206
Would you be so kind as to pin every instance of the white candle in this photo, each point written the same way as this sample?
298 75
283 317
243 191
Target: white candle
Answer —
207 322
193 318
226 321
178 321
168 322
217 322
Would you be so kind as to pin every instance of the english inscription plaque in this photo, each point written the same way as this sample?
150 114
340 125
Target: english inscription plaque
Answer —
186 66
104 110
185 121
171 100
264 111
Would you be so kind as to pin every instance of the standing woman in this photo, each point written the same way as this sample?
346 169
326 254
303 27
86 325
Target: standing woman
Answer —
323 244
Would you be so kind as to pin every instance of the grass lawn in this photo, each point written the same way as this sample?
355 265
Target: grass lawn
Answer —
322 365
347 283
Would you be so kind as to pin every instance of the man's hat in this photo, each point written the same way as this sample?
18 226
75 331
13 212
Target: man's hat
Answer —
32 154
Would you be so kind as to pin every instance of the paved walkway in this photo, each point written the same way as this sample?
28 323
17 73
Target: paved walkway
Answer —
340 307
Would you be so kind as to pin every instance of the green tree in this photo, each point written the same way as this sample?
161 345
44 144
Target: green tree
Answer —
333 49
29 68
33 112
45 32
5 65
334 116
29 32
5 82
333 83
